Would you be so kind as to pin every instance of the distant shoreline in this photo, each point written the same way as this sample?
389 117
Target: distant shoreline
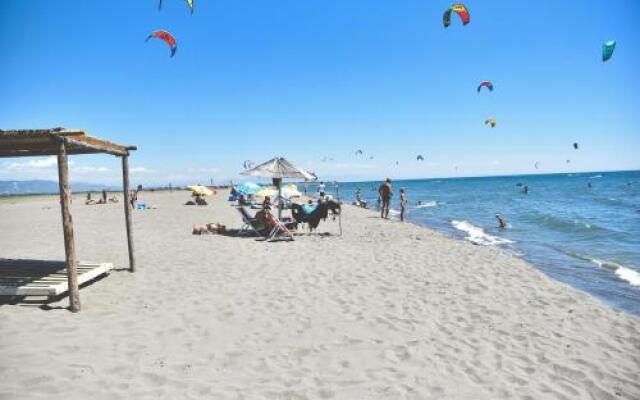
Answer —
116 189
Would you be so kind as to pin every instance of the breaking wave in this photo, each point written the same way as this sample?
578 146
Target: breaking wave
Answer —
477 235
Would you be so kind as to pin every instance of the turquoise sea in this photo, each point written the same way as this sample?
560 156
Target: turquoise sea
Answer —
582 229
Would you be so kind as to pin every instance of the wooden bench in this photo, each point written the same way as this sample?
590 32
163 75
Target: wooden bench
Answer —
43 278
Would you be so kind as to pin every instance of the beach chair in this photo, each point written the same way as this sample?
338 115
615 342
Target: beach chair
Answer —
278 230
249 222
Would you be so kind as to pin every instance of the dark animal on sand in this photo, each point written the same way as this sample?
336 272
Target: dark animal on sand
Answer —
334 207
321 212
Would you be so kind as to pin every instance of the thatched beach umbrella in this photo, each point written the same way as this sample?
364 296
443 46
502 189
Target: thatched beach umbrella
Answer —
277 169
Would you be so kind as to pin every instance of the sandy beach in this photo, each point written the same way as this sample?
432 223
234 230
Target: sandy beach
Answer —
386 311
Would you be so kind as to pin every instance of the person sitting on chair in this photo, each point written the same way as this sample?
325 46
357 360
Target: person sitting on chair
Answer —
261 216
266 204
201 201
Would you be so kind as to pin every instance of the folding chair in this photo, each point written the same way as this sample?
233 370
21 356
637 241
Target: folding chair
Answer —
278 229
248 222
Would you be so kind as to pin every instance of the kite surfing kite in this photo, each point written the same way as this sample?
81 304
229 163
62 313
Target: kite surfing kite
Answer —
459 9
248 164
568 161
358 152
575 146
189 3
167 38
486 84
491 121
420 158
537 164
607 50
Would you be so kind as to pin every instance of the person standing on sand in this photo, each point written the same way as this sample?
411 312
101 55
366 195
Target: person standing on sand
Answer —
403 204
385 191
133 198
321 189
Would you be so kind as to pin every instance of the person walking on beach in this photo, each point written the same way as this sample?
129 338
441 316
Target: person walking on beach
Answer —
385 191
321 190
403 204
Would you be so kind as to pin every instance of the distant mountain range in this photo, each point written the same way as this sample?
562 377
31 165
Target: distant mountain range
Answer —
42 186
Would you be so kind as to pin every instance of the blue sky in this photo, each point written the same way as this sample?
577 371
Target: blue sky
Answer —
312 79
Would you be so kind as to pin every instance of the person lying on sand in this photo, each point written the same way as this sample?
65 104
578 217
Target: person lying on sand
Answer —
213 228
502 224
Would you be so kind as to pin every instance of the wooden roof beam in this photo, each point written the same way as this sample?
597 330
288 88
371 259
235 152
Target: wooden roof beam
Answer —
97 146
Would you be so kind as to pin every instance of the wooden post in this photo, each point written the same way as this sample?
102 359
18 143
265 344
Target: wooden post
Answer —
278 183
127 211
67 226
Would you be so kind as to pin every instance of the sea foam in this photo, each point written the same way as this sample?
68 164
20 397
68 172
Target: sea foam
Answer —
428 204
626 274
477 235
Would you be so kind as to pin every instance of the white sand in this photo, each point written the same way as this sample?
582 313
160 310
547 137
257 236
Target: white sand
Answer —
388 311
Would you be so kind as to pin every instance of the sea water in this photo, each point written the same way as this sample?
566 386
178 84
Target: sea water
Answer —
582 229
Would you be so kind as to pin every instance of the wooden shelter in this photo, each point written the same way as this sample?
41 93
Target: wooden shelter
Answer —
62 142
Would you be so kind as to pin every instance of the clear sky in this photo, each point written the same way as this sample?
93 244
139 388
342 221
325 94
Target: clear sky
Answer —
309 79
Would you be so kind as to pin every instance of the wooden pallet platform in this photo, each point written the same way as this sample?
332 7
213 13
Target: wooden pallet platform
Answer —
43 278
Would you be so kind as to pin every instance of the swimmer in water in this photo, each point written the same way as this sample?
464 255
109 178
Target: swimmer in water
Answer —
502 224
